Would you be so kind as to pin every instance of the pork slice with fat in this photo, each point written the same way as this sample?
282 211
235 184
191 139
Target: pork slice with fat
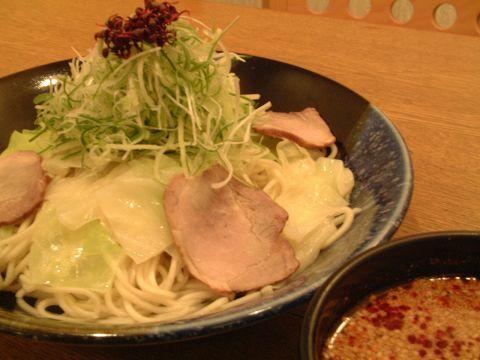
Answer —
306 128
22 185
229 237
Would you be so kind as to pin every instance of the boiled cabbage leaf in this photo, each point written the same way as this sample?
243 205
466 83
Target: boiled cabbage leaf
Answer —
132 205
83 258
6 231
24 141
313 191
129 201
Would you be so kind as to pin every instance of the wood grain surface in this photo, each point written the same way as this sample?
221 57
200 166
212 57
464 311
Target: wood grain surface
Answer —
463 13
427 83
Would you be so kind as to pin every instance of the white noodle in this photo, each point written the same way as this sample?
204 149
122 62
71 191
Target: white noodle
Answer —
158 290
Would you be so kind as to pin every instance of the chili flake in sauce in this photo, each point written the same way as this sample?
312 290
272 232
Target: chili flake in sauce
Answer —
424 319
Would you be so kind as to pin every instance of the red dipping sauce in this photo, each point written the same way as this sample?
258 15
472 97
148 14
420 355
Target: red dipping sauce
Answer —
424 319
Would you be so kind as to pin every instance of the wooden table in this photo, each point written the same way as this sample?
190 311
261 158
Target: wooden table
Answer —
427 83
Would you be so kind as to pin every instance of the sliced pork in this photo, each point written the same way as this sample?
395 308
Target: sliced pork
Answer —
305 128
22 185
229 237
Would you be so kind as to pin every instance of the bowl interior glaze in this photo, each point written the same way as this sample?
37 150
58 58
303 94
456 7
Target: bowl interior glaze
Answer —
368 142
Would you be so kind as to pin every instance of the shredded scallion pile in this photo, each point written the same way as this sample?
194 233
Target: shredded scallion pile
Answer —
180 99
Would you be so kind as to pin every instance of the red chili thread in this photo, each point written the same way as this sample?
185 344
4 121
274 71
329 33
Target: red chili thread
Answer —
147 25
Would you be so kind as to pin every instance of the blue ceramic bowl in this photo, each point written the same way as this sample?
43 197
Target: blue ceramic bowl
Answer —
368 142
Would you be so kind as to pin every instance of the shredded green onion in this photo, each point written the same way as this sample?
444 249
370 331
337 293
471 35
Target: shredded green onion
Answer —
181 100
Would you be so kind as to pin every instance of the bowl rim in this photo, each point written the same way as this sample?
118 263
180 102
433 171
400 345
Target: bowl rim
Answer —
307 337
204 326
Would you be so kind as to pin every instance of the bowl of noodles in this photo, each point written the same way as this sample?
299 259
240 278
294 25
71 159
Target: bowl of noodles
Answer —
115 126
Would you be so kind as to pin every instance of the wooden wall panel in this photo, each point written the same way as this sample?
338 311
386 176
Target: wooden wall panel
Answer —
467 13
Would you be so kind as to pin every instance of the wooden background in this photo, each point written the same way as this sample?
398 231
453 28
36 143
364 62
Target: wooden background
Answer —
453 16
427 83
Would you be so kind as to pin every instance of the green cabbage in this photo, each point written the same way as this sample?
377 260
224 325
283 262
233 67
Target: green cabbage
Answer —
7 231
83 258
27 140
